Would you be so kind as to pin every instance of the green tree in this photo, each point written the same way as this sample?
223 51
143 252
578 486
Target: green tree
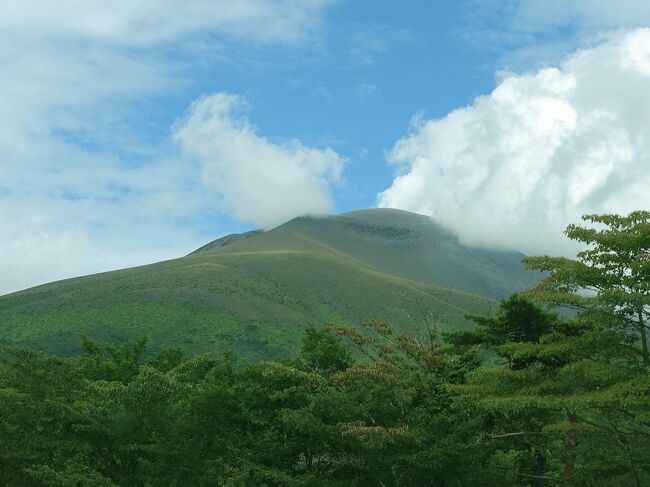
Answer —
323 351
401 415
609 282
574 392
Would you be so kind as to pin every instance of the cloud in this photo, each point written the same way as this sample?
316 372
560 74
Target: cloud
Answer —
529 34
539 15
94 218
38 246
88 178
368 45
366 89
518 165
519 19
150 22
259 181
72 69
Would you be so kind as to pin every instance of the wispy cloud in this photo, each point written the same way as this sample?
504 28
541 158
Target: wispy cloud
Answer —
368 45
83 184
542 15
527 34
152 22
367 89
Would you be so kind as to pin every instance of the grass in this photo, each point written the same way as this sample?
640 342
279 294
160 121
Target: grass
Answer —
256 295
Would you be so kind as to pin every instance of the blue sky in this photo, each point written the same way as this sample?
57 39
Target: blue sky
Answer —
354 85
138 131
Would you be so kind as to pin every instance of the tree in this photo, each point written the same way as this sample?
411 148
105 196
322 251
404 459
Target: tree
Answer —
401 414
323 351
568 406
609 282
575 391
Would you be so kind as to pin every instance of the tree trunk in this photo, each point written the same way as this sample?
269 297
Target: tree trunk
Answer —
644 338
571 442
540 466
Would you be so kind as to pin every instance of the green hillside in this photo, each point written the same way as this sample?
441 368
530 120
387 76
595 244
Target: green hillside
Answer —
398 243
254 293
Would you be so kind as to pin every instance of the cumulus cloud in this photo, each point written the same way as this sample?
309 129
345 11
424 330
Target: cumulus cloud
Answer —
84 186
518 165
258 180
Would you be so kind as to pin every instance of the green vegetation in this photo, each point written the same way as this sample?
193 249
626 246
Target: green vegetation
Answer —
525 398
254 295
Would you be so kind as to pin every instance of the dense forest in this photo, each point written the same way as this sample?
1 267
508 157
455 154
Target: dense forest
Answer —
553 388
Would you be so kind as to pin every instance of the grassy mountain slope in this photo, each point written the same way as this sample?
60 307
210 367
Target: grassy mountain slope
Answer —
255 294
398 243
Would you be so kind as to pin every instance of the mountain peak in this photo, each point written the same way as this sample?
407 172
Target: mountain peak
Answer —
385 213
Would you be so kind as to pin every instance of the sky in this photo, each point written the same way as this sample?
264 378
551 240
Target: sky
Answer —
132 132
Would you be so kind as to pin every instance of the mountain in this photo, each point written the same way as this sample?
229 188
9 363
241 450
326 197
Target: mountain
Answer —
253 293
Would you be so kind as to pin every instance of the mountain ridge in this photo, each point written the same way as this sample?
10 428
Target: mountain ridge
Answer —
420 249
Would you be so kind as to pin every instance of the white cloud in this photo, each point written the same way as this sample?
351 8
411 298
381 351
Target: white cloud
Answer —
81 189
258 180
515 167
39 247
148 22
89 219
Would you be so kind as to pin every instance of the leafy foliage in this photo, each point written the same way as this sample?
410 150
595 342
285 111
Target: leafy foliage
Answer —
609 283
